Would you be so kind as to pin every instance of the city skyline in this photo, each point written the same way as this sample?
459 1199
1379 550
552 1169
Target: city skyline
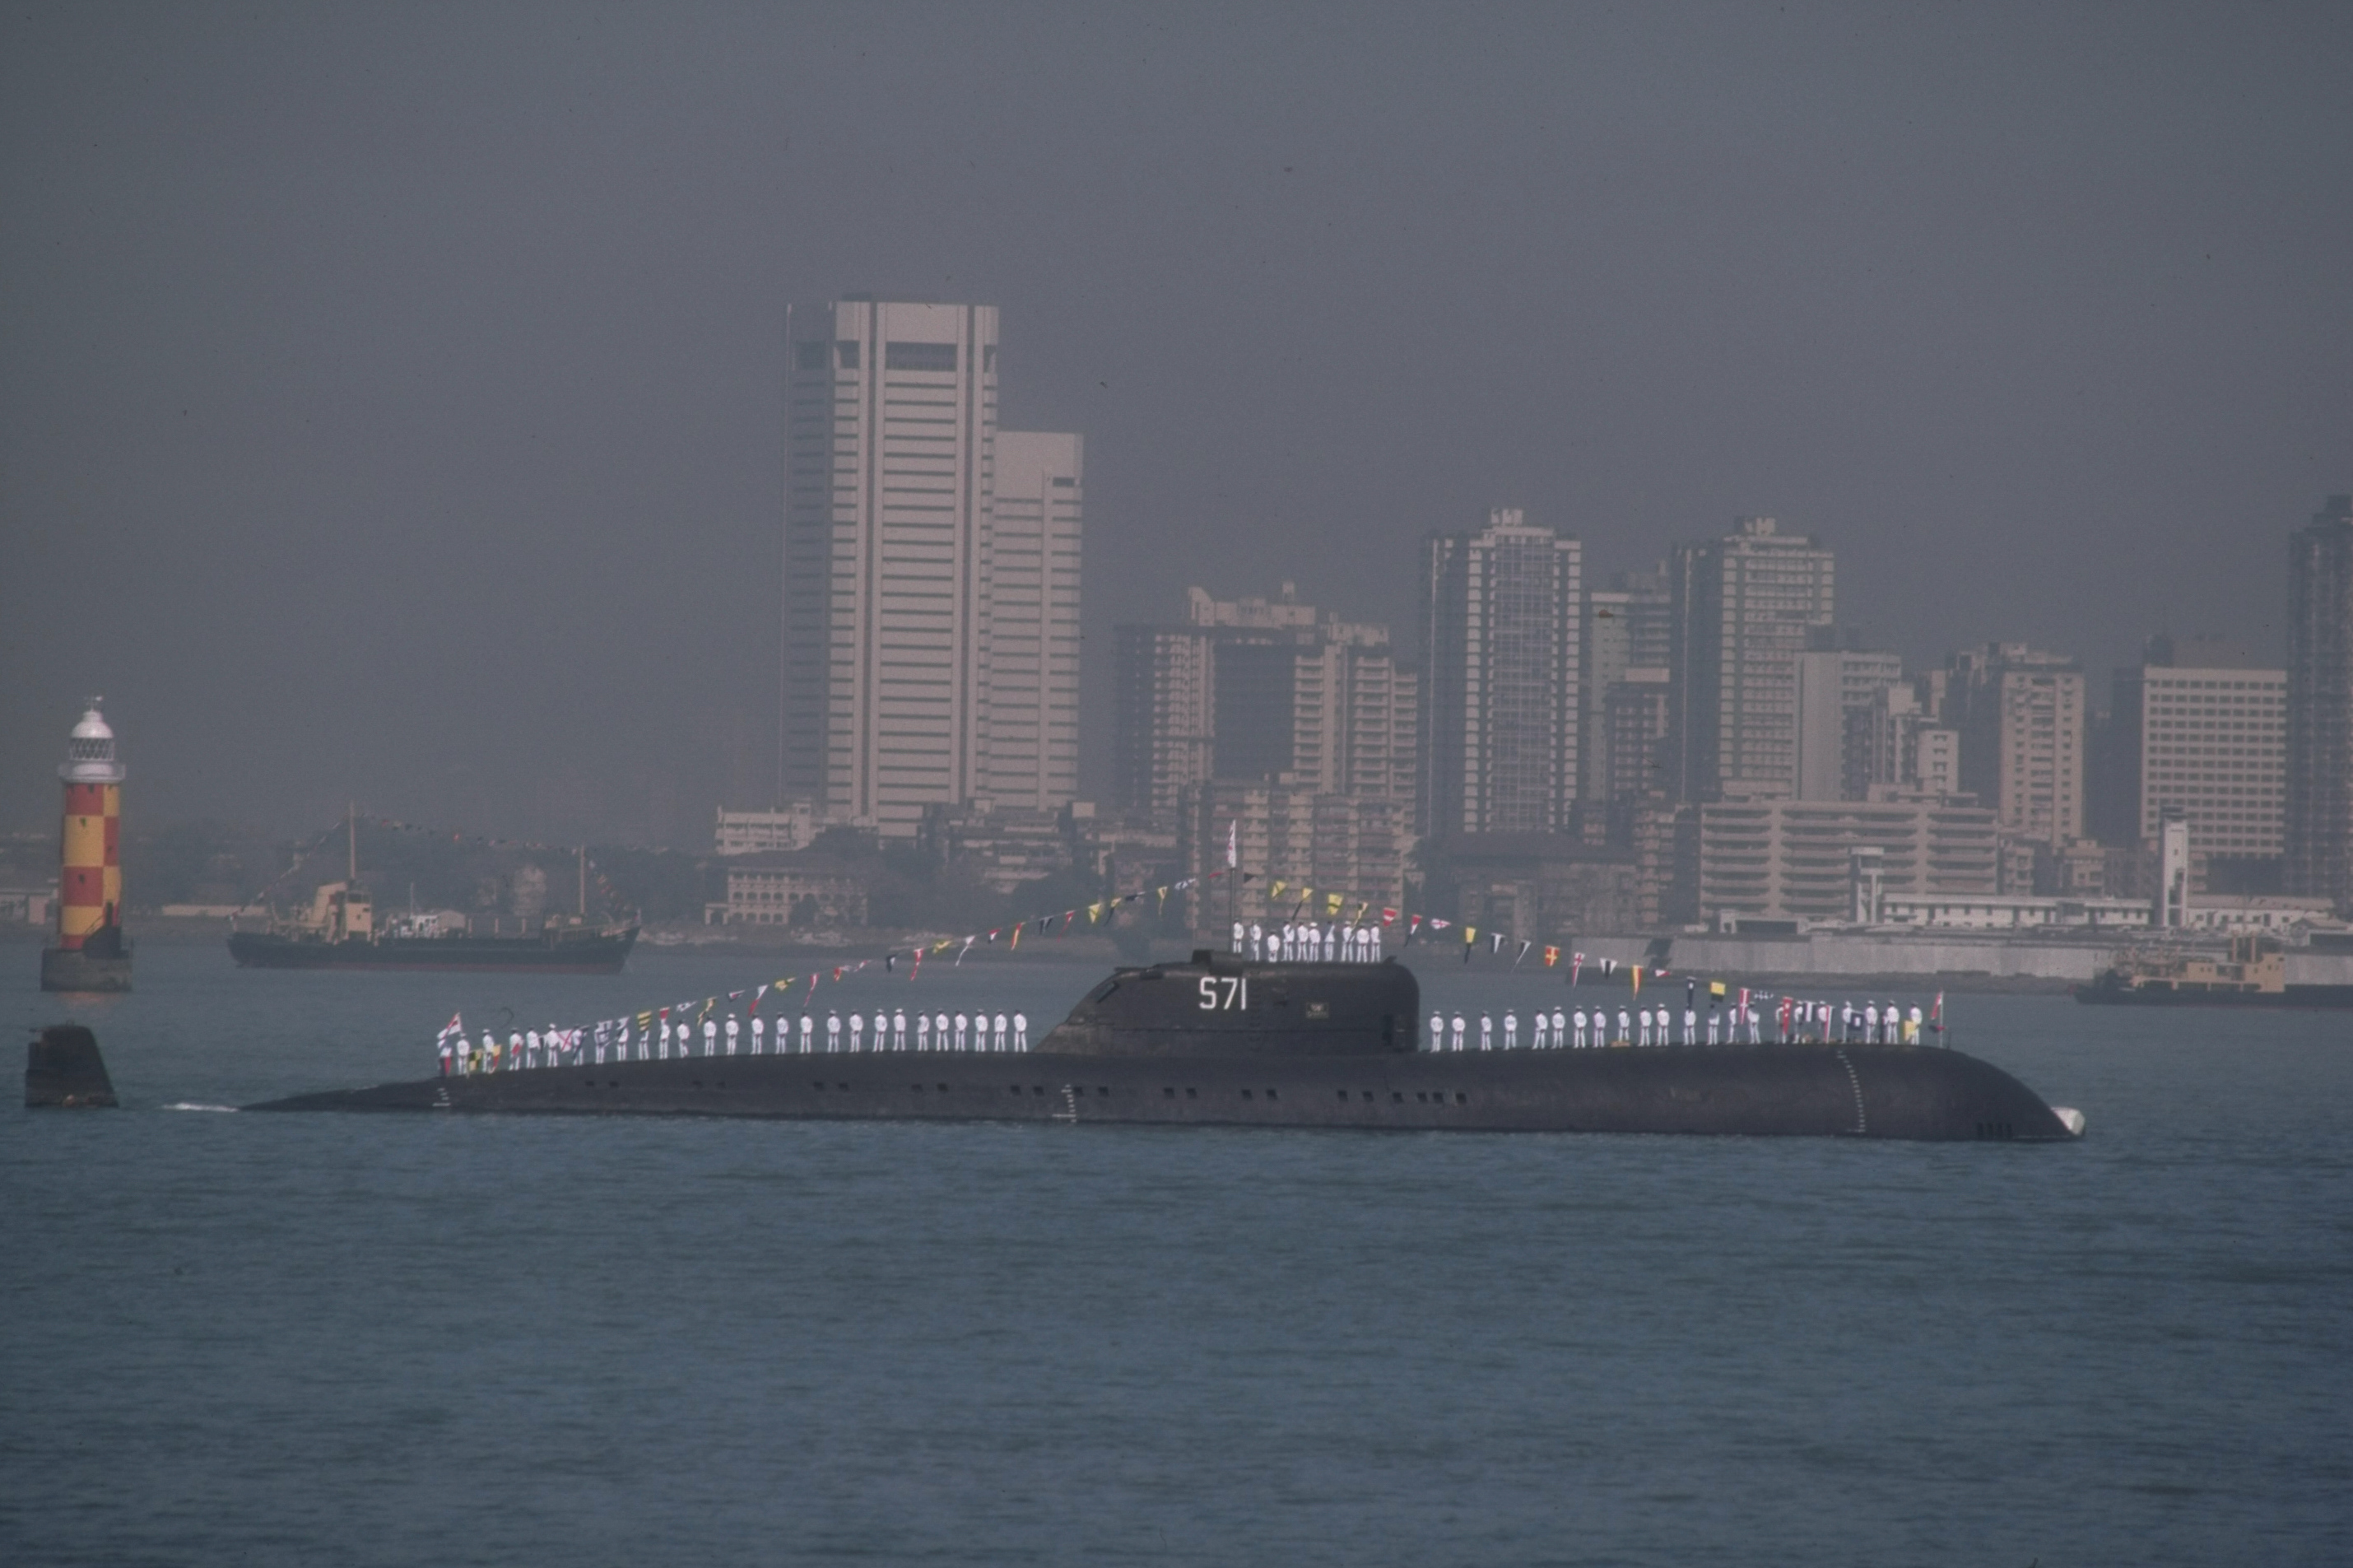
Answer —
450 480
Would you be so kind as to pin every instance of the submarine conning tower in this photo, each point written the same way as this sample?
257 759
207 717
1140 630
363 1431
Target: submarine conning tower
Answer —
1221 1004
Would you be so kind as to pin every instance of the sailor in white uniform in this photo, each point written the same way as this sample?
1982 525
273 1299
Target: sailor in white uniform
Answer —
1438 1031
732 1027
1511 1031
1540 1031
1458 1029
1021 1031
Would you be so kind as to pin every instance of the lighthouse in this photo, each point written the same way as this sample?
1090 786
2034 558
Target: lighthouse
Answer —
91 954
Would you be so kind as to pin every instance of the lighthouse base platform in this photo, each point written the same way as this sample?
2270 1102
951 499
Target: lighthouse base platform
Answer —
73 970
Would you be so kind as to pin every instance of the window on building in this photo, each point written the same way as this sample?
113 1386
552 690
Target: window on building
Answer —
919 356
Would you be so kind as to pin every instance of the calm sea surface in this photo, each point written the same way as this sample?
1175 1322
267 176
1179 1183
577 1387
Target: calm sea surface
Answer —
236 1339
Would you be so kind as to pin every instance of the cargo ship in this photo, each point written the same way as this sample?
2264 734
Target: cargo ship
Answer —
1227 1041
2250 972
340 931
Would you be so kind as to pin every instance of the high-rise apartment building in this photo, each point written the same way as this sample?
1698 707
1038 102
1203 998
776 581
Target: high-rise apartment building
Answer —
2319 838
2024 736
1501 651
1744 607
1628 629
2199 731
1259 690
1029 646
1631 739
1842 693
892 448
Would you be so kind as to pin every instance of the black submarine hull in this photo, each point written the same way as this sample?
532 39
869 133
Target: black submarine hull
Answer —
1850 1091
1225 1042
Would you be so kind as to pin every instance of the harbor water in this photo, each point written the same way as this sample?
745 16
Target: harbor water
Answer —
237 1338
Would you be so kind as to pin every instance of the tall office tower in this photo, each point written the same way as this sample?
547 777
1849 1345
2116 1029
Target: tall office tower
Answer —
2319 818
2024 735
1029 646
890 572
1501 650
2205 734
1744 606
890 428
1628 625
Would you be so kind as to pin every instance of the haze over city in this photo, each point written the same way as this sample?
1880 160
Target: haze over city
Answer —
394 404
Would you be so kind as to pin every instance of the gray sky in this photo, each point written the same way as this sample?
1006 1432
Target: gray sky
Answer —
390 397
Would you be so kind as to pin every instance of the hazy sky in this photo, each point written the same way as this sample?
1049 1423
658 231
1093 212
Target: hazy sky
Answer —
390 397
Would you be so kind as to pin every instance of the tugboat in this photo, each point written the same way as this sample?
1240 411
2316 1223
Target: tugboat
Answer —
339 931
1224 1040
2251 972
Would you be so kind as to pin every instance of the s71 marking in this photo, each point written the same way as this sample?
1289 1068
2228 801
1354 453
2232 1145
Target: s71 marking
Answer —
1224 993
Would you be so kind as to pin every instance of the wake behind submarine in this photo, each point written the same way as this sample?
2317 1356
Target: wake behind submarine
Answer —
1226 1041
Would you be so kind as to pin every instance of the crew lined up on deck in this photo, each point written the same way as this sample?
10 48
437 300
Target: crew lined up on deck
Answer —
1794 1022
1342 942
891 1030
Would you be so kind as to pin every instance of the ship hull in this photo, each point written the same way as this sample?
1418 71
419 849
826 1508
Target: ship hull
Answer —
592 955
1850 1091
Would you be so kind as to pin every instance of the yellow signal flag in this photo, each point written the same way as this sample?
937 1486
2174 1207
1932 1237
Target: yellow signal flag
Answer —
1715 988
1276 890
1636 972
1470 935
1331 904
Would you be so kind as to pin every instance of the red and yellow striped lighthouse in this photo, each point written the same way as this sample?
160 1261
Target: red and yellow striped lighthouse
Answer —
91 954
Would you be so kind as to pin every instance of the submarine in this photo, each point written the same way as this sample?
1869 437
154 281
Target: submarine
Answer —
1229 1041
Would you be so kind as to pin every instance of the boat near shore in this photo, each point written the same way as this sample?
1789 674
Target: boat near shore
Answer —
1224 1040
342 929
2250 972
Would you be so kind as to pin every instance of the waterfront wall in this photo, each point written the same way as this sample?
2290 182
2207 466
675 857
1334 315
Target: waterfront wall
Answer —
1830 953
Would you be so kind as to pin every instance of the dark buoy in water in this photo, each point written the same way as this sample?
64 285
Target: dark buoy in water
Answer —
63 1069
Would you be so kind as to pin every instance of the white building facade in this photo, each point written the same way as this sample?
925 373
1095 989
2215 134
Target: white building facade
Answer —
892 449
